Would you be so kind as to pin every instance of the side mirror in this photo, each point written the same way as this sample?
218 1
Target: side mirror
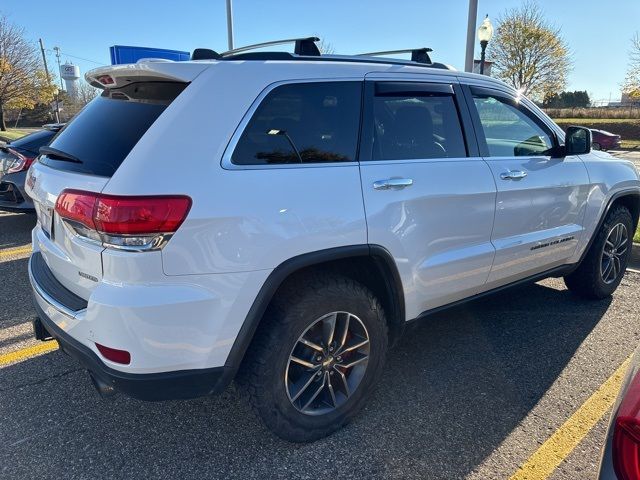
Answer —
577 141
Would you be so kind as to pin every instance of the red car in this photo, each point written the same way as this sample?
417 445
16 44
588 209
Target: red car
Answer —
602 140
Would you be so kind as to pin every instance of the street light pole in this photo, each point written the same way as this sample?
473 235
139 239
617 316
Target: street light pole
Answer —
471 26
230 24
483 48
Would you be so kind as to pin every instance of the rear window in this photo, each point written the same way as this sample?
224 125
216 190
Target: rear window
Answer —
106 130
31 143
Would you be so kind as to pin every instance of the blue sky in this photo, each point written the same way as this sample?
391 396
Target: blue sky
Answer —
597 32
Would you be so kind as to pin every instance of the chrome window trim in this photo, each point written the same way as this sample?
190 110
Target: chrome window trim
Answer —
226 162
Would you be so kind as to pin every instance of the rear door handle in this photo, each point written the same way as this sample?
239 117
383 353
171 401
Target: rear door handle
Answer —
513 175
393 183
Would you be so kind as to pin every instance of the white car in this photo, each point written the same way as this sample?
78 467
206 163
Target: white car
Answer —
278 218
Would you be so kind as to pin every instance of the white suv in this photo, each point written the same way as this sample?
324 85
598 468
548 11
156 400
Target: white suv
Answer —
278 218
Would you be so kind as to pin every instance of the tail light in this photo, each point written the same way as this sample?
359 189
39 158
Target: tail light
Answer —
21 163
123 222
626 434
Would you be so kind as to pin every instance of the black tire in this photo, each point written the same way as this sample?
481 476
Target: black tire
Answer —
596 146
296 307
587 280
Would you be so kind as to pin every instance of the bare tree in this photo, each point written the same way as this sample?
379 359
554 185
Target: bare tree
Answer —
325 47
22 83
631 85
72 105
529 53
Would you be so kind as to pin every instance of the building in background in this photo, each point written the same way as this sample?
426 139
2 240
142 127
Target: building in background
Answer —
70 74
487 67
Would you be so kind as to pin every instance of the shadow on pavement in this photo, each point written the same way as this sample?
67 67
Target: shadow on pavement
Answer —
453 389
15 293
15 229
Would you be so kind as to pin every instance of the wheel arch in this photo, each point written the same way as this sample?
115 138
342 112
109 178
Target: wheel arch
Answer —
627 198
371 265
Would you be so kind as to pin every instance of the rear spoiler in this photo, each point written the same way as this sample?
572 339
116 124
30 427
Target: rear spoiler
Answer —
115 76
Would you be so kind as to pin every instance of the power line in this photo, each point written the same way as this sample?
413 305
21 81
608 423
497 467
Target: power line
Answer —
76 57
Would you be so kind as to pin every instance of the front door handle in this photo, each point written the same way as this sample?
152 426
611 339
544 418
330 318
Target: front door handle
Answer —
513 175
392 183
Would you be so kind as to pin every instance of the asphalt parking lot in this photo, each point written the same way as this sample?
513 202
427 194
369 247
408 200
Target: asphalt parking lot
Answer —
471 393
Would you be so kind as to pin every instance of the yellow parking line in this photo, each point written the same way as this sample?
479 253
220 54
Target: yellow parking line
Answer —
558 447
15 252
24 353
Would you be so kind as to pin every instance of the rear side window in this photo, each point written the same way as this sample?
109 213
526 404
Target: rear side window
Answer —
416 126
304 122
106 130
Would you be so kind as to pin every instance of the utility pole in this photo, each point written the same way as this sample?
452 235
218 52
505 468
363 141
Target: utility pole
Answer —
471 35
46 71
230 24
57 49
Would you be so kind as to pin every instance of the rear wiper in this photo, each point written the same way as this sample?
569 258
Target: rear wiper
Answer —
59 154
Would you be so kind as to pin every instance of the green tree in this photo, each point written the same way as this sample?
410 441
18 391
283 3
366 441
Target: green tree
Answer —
529 53
576 99
22 83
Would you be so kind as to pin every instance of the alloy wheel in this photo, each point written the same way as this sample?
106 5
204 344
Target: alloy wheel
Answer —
327 363
613 253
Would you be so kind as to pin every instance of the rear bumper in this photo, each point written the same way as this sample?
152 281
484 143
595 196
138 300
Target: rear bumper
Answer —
12 194
181 384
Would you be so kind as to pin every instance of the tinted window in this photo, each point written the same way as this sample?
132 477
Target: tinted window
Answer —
510 131
106 130
415 126
319 120
31 143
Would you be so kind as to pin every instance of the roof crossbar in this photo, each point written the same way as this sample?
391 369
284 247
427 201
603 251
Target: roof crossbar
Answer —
303 46
418 55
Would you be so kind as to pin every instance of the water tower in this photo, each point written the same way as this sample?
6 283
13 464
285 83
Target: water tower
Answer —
70 74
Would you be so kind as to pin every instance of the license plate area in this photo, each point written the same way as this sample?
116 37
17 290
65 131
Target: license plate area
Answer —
45 218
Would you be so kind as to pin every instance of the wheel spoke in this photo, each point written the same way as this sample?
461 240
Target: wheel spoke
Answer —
353 363
316 393
303 388
616 267
618 234
345 331
606 269
311 344
302 362
329 328
356 346
345 385
331 391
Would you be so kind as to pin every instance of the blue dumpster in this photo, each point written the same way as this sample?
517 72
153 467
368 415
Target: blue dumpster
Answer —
127 54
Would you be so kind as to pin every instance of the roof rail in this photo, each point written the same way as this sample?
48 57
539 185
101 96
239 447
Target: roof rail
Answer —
303 46
418 55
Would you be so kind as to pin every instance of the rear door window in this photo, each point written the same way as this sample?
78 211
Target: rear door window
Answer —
414 121
106 130
303 123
